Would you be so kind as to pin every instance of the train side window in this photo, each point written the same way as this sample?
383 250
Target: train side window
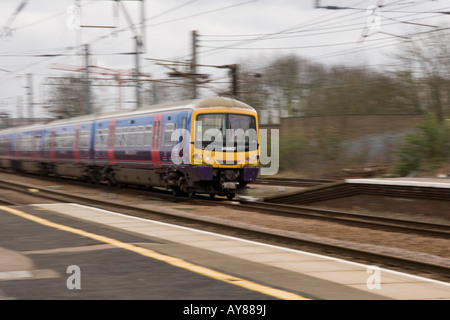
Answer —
57 140
183 126
68 140
47 141
62 140
36 142
122 137
101 138
140 136
117 137
84 139
131 136
168 129
97 137
5 144
148 135
105 137
125 136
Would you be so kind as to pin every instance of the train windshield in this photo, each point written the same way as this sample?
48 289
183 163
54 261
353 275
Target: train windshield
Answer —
226 132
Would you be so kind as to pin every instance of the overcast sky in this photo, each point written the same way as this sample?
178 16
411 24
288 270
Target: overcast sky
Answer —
230 31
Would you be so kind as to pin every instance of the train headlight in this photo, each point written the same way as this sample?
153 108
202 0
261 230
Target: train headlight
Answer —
252 159
197 158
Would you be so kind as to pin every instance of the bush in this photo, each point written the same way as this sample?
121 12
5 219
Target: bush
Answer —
424 149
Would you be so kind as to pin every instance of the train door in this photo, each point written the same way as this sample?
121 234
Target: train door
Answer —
156 141
34 144
53 145
112 132
76 149
184 138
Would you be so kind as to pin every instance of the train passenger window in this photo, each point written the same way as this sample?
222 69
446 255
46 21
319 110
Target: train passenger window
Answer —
57 140
183 126
118 137
67 140
4 144
125 136
140 136
168 129
105 137
148 135
84 139
122 137
97 138
131 136
46 141
18 143
101 138
37 139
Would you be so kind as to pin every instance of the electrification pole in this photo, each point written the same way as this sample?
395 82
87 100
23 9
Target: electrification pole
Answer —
87 85
137 72
30 97
194 64
234 79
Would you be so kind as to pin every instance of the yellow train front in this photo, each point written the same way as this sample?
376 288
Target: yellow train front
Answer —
223 148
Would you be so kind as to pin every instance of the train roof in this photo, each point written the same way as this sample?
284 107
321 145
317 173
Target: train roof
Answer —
194 104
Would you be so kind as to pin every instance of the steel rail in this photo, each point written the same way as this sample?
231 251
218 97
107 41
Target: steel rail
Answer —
362 220
292 181
266 234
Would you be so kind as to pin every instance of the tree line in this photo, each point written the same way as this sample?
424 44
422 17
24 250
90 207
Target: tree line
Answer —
418 83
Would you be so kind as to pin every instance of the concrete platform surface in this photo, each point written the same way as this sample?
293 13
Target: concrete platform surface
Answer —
370 281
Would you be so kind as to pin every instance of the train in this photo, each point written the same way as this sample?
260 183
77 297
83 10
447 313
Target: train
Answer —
201 146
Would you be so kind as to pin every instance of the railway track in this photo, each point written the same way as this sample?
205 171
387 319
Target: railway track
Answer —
292 182
416 264
7 202
340 189
363 220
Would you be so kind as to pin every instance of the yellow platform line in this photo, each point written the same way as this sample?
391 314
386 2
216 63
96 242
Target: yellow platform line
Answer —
277 293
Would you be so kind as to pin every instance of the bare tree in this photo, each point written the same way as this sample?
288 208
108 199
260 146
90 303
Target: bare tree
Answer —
427 60
303 87
67 99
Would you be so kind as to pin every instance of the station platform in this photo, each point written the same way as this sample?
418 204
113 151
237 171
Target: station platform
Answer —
412 182
270 271
431 194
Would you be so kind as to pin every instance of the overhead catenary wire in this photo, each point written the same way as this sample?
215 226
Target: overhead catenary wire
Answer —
323 24
115 32
323 30
266 36
303 27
